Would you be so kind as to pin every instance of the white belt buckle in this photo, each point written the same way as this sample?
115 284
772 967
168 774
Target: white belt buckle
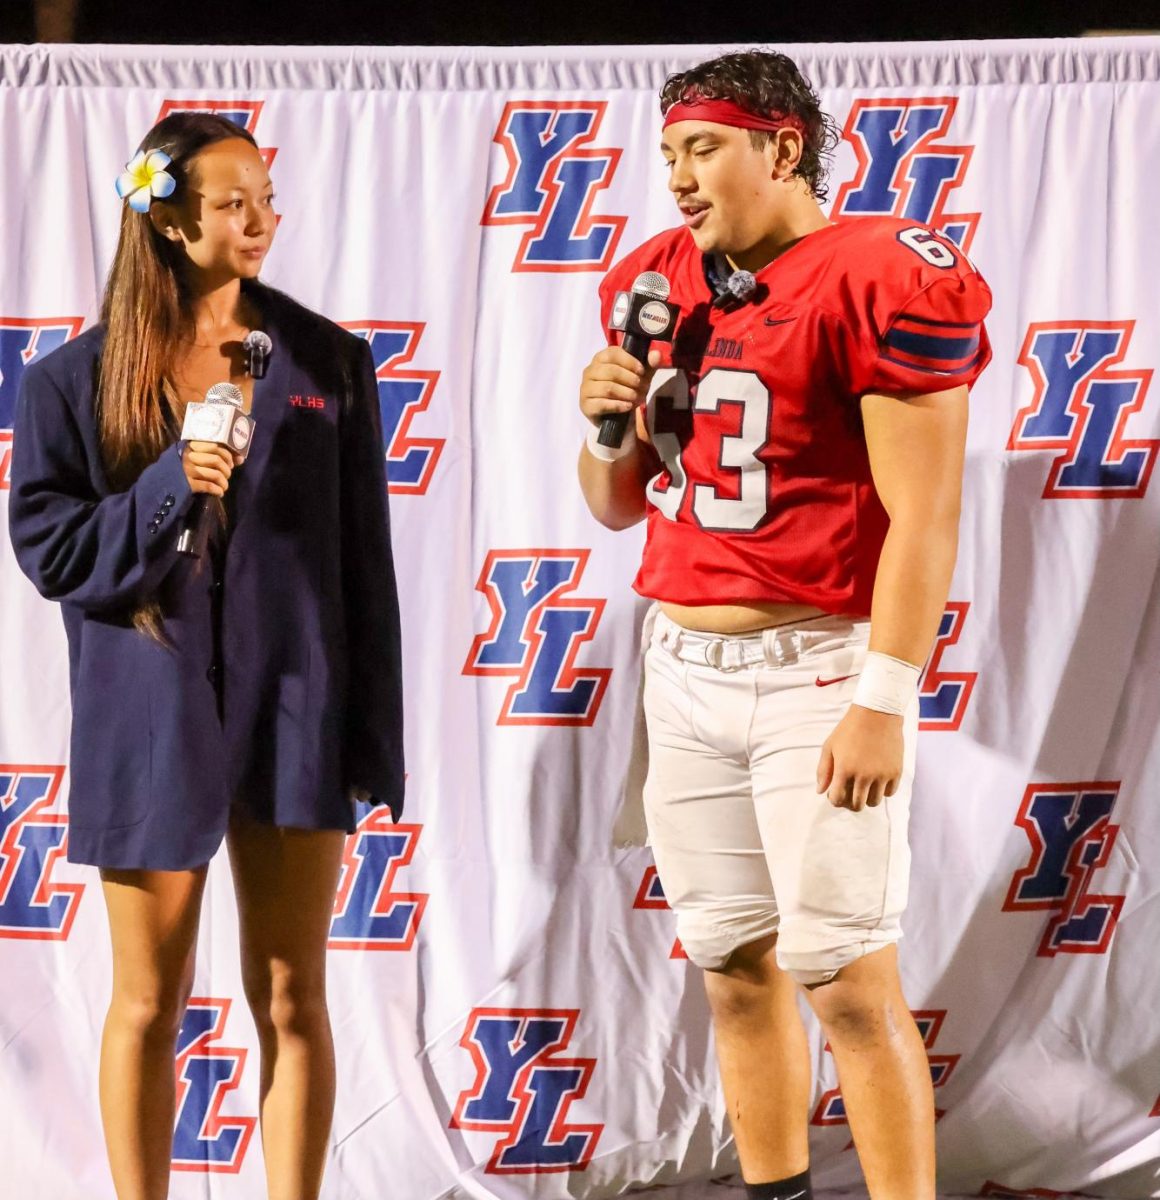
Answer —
781 647
725 654
671 640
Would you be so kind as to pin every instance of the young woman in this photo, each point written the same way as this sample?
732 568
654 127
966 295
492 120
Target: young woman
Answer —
251 693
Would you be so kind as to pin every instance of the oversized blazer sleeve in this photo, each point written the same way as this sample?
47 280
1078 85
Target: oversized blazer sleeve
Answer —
77 541
374 725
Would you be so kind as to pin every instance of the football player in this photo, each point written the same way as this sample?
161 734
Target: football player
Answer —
797 453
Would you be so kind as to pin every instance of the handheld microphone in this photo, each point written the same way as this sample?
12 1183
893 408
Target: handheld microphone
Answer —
644 315
218 419
257 346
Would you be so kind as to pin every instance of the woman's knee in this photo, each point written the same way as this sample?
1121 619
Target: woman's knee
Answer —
285 1001
151 1010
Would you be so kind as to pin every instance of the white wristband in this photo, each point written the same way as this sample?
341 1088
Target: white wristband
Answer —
612 453
887 684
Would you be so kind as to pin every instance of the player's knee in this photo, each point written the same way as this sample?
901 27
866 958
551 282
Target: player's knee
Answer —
859 1008
738 1002
851 1017
724 944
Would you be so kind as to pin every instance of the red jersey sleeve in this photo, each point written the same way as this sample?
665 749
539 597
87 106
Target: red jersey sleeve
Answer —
920 320
936 340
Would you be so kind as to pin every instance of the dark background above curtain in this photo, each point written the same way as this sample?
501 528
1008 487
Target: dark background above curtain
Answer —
357 22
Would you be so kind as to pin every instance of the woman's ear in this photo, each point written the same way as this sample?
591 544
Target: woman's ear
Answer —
164 220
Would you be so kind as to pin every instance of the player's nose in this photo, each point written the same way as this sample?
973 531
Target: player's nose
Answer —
681 179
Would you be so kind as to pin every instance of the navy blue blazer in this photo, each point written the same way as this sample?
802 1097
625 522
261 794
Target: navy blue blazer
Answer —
280 686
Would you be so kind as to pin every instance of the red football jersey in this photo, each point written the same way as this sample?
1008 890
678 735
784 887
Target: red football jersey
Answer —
763 491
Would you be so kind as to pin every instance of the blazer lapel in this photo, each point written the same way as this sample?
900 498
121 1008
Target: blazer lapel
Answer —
270 406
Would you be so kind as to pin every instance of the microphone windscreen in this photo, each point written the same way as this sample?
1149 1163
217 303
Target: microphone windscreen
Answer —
741 284
224 393
258 340
652 283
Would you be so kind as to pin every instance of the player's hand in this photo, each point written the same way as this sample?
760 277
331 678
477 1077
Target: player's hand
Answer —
861 760
208 467
614 382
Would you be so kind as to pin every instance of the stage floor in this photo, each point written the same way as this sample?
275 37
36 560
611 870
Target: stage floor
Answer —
727 1190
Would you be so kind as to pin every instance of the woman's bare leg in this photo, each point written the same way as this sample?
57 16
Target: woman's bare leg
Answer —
285 881
153 919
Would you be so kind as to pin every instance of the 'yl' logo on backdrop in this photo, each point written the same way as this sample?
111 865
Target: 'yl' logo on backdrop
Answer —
32 842
1071 835
943 695
535 634
404 392
368 913
242 112
902 170
23 340
650 894
553 176
831 1109
1081 407
523 1091
204 1139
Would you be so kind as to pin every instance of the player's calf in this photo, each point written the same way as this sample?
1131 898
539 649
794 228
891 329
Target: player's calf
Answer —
765 1069
884 1075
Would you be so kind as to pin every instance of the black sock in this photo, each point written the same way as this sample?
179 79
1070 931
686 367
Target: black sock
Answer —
797 1188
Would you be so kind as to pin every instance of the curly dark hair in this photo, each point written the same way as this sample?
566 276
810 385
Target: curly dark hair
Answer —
763 82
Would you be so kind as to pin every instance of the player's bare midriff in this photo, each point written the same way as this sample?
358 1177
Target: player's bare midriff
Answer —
737 618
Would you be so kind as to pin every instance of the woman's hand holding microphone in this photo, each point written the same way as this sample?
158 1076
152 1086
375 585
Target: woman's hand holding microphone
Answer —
208 467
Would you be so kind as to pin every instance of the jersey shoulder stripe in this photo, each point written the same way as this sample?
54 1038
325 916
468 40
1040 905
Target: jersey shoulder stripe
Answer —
938 350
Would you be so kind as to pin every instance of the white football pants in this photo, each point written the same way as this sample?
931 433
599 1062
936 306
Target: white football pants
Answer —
744 844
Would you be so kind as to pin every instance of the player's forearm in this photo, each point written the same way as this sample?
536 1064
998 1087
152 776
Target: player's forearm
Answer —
911 586
614 491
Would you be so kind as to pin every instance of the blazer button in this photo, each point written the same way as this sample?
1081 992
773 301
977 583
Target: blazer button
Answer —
212 674
169 501
152 526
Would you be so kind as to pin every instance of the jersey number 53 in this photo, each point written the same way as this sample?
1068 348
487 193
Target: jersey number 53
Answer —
670 399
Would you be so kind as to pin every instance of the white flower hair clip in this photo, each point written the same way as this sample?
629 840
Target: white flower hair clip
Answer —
145 179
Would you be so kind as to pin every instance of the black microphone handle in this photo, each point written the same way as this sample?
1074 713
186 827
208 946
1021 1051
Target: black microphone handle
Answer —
614 425
194 536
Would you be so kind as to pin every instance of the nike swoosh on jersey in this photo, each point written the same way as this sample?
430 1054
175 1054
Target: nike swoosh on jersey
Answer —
780 321
826 683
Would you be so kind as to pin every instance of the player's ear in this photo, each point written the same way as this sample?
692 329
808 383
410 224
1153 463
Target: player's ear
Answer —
786 147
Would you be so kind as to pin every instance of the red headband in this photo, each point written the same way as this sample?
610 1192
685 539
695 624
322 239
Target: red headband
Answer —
726 112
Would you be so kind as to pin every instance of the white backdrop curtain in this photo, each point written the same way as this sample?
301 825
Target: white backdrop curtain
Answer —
512 1017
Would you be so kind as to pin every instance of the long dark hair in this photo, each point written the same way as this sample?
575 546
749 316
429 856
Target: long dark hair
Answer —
146 315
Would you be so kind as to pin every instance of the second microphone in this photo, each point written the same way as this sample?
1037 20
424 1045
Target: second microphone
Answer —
218 419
